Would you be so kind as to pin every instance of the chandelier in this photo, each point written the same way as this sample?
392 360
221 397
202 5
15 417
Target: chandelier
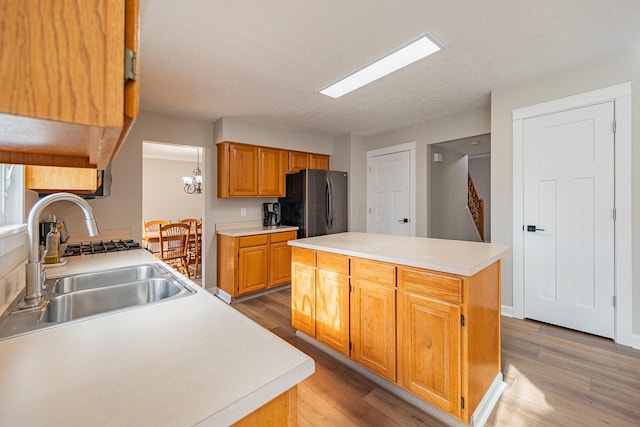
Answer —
193 185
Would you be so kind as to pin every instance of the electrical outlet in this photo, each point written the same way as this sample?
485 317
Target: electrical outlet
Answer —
243 211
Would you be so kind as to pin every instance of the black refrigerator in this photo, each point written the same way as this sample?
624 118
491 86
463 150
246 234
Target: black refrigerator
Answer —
316 202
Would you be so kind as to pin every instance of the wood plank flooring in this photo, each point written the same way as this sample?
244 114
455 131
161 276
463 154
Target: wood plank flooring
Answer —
554 376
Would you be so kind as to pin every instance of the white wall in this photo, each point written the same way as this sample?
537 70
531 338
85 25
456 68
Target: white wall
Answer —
462 125
350 156
449 217
238 129
602 73
480 170
163 195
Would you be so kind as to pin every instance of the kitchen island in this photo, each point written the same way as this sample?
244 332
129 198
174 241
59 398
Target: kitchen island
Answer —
421 317
191 360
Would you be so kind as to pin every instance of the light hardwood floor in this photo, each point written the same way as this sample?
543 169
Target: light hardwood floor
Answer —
554 376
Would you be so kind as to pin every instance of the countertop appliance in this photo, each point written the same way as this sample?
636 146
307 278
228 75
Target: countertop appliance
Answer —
271 214
88 248
316 202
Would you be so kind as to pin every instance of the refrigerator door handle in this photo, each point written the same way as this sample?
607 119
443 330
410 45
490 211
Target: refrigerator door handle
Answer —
327 205
330 203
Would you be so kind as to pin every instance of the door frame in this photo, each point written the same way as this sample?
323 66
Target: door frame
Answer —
411 148
621 96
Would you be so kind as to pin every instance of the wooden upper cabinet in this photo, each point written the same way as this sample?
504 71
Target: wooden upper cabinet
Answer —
237 170
271 181
319 161
298 161
65 99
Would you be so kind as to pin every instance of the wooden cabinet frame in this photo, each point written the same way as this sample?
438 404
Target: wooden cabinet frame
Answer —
447 326
253 263
71 84
246 170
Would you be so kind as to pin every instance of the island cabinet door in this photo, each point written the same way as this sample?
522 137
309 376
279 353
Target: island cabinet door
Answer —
332 310
373 327
303 291
429 350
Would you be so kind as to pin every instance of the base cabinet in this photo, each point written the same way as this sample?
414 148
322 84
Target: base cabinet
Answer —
437 335
373 327
303 295
429 350
332 310
253 263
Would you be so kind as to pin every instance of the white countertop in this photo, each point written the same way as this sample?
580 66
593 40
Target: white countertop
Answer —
250 231
184 361
449 256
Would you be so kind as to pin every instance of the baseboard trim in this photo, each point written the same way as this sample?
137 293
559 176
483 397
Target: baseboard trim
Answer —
224 296
507 310
478 419
636 341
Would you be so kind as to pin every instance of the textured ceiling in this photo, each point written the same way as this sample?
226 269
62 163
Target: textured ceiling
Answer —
264 60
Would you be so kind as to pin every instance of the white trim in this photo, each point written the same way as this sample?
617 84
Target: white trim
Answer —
411 148
636 342
621 96
477 419
585 99
506 310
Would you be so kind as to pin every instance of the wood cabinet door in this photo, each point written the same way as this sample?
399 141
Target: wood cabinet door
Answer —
271 180
279 263
373 327
332 310
429 350
319 161
303 298
252 266
69 84
243 170
297 161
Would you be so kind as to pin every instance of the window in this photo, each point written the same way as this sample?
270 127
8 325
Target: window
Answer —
11 194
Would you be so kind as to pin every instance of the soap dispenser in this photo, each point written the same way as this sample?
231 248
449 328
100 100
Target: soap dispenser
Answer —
52 245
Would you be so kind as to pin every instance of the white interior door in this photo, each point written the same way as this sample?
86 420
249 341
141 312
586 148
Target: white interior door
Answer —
569 225
389 198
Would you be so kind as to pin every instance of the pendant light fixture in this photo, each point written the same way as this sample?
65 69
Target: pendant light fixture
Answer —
193 185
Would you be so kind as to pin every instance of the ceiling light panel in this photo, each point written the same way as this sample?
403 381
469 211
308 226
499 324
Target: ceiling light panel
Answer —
397 59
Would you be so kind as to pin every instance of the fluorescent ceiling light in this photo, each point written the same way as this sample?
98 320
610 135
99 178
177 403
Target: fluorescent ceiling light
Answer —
394 61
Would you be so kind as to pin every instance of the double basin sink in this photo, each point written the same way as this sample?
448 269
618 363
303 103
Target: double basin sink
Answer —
81 296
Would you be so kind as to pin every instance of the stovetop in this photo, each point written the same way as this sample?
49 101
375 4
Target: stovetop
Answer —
88 248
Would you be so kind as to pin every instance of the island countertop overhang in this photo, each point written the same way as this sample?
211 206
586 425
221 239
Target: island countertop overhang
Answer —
449 256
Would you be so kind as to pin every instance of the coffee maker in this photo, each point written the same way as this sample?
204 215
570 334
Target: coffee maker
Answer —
271 214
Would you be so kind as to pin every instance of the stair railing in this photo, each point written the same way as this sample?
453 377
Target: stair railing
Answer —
476 206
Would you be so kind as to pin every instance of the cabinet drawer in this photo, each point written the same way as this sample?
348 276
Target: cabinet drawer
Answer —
432 284
333 262
283 236
374 271
303 256
259 239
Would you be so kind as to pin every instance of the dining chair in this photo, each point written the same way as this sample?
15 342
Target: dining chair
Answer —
194 253
174 240
150 238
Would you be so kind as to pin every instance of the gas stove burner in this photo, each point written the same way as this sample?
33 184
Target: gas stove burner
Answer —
88 248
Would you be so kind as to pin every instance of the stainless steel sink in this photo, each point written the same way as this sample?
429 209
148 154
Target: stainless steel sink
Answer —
104 278
82 296
75 305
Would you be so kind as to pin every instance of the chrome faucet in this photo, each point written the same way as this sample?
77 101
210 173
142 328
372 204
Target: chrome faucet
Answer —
35 276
